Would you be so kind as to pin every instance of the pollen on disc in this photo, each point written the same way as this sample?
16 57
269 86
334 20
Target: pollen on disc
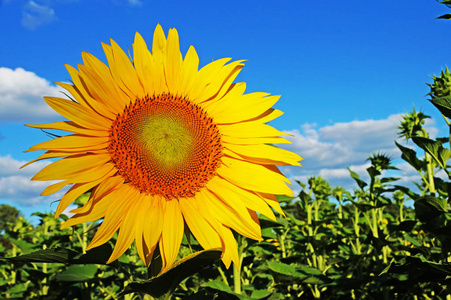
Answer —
165 145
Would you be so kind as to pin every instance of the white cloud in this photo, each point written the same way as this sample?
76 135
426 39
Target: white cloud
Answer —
21 96
10 166
20 190
329 150
16 186
342 144
35 15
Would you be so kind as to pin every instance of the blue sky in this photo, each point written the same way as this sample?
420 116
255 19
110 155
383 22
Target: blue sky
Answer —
346 70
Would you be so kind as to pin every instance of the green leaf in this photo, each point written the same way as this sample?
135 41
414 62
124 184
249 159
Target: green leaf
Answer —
446 16
284 198
412 240
373 172
410 156
404 226
46 256
23 245
357 179
268 233
429 207
18 288
223 291
78 273
98 255
165 283
218 285
308 270
443 103
284 269
261 294
435 149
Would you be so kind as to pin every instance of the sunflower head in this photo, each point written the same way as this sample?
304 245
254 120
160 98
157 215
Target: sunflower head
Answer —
164 146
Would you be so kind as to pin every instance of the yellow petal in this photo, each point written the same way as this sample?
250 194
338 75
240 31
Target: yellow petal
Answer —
232 108
172 61
159 43
249 130
79 92
51 154
267 116
74 192
104 189
231 248
189 72
206 76
127 230
80 188
81 143
253 141
153 225
51 189
267 153
145 67
100 73
126 71
97 208
95 173
78 113
222 81
138 226
71 126
236 217
67 167
115 71
114 216
204 232
272 201
172 234
232 194
253 177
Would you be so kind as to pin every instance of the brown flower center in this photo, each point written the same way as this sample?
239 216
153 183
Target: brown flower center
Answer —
165 145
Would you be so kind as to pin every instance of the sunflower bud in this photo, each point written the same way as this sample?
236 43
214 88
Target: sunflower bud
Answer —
442 85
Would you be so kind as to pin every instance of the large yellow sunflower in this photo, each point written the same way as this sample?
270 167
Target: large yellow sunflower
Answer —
164 145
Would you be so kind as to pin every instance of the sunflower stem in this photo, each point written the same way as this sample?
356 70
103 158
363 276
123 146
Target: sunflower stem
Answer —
237 278
237 268
223 276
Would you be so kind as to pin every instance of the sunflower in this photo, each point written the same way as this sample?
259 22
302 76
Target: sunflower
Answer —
164 147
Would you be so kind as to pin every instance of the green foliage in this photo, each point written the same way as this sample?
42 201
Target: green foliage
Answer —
332 244
8 214
447 3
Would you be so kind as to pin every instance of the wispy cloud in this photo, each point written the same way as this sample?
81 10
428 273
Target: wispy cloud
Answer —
21 95
15 184
35 15
329 150
134 2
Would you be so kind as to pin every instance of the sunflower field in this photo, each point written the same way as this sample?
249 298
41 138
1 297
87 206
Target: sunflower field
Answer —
332 244
173 172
